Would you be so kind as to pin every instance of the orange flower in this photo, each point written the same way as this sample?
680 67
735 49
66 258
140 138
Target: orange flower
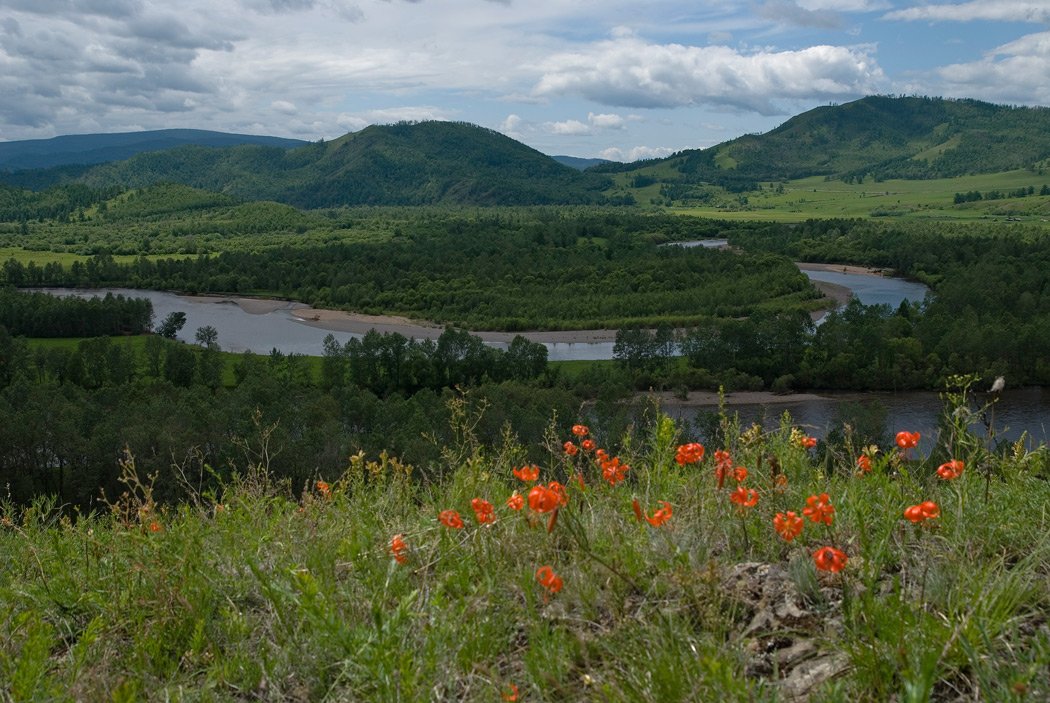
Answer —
809 442
324 488
740 474
483 510
744 497
830 559
559 490
516 502
613 471
927 510
450 518
819 509
659 517
908 440
527 473
511 694
543 499
398 548
578 478
547 578
789 525
580 430
864 463
588 445
723 465
951 470
570 448
155 526
691 453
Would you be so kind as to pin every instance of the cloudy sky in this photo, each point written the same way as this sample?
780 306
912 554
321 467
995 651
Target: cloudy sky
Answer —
618 79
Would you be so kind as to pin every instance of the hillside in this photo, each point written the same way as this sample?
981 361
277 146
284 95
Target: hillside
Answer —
875 137
81 149
403 164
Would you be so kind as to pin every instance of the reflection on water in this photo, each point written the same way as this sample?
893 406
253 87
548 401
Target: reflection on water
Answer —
1019 411
874 290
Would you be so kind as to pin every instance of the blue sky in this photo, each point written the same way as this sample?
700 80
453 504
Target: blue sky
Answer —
615 79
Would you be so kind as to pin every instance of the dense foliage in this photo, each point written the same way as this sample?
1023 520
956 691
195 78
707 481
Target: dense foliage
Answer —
488 272
41 315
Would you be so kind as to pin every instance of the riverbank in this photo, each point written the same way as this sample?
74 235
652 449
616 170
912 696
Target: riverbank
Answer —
705 399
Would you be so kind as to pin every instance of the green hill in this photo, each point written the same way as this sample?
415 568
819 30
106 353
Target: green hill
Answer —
402 164
875 137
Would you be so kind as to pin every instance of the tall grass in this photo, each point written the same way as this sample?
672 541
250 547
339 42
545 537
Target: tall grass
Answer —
260 590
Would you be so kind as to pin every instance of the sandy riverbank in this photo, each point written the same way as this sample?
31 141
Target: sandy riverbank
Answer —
700 399
842 268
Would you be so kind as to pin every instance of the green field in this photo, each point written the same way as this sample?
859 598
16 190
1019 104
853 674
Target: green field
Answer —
815 197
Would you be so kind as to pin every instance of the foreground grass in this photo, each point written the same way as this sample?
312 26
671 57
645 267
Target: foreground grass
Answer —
277 592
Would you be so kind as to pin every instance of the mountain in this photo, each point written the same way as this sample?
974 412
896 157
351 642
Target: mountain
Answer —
86 149
402 164
879 137
579 163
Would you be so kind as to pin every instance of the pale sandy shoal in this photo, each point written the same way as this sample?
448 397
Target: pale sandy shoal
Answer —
841 268
698 399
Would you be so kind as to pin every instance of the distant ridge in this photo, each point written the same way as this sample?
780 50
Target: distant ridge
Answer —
89 149
879 137
579 162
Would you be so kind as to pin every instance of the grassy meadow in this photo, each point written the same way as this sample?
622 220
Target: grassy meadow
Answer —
649 572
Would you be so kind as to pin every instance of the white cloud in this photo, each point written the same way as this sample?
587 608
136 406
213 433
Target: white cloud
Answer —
511 125
606 121
626 71
636 153
1012 73
998 10
844 5
568 127
284 107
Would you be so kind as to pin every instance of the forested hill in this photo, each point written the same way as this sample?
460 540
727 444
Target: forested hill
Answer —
80 149
880 137
403 164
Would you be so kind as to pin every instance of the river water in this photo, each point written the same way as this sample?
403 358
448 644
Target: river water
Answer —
1020 410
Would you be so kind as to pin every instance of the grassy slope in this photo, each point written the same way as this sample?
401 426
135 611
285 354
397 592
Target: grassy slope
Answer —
285 594
816 197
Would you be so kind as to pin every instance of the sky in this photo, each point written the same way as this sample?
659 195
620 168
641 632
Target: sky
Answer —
615 79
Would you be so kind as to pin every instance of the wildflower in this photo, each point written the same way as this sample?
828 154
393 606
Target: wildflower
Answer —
527 473
951 470
516 502
830 559
450 518
740 474
780 483
547 578
692 453
921 512
324 489
659 517
723 465
588 445
788 525
398 548
483 510
570 448
511 694
819 509
613 471
580 430
155 526
908 440
542 499
809 442
864 463
578 478
744 497
601 455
